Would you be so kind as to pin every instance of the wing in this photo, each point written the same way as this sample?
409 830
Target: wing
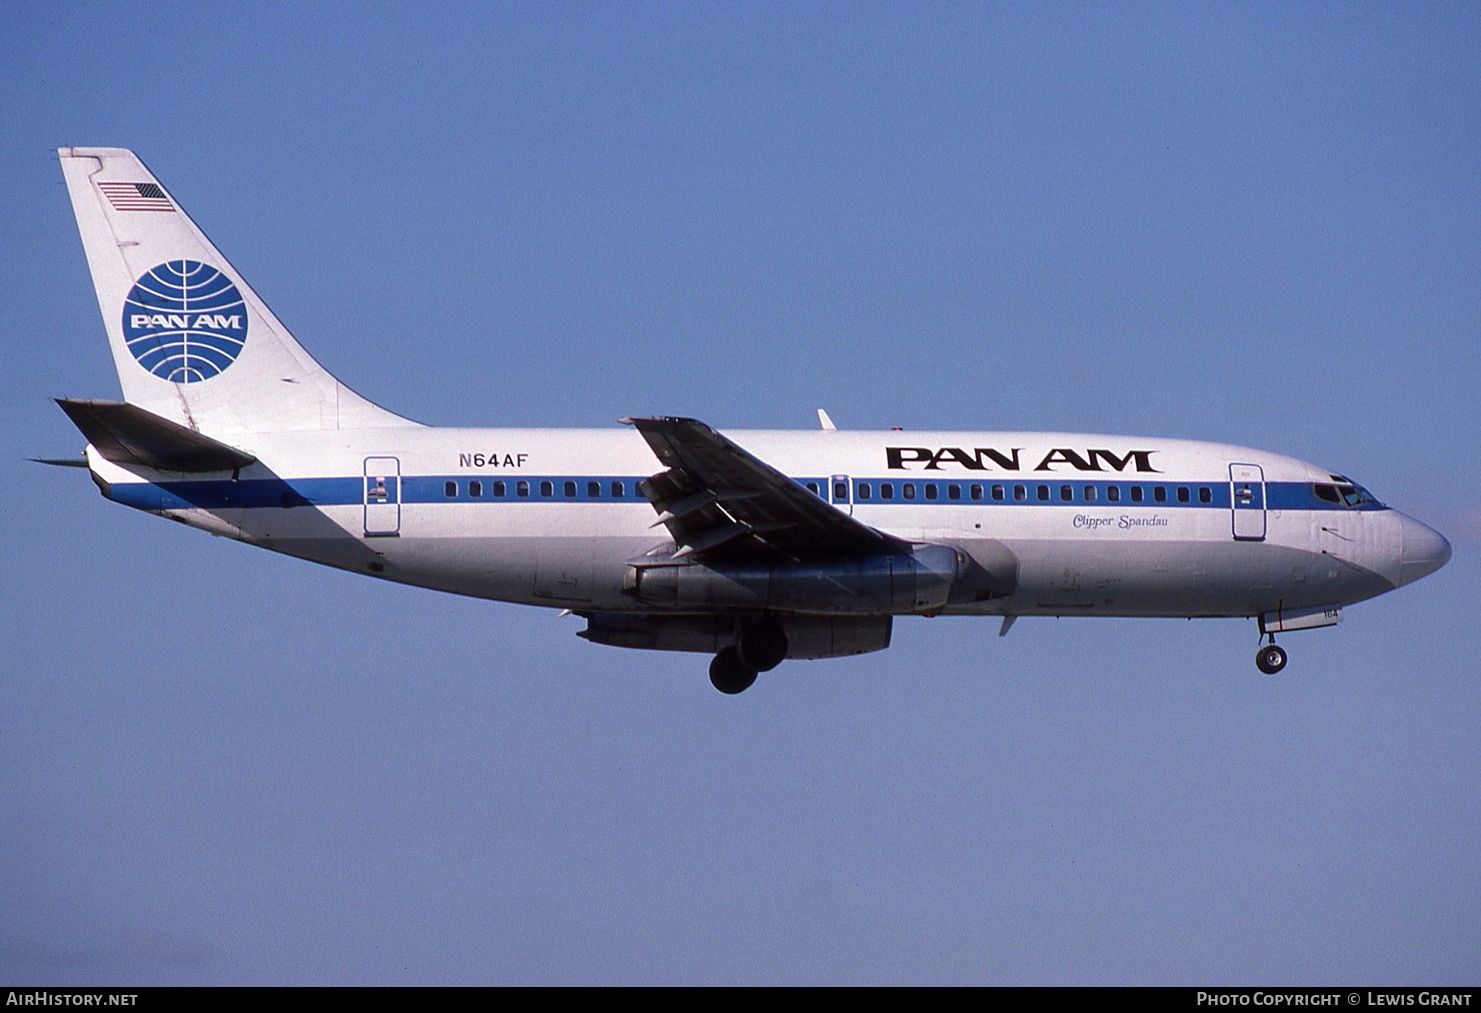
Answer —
718 501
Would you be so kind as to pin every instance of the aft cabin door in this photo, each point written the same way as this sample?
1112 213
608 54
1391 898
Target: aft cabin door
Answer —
1247 500
382 497
840 488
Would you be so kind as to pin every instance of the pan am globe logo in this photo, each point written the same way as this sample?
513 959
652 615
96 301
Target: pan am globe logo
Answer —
185 321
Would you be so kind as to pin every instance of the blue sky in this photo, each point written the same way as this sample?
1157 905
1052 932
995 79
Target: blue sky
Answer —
1253 225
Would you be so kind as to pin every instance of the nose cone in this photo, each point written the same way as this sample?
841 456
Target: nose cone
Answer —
1424 550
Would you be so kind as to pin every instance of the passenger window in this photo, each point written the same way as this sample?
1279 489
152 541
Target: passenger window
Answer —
997 492
1113 493
907 489
1205 494
812 487
955 492
500 489
522 488
1182 494
475 489
617 490
1043 492
547 489
864 490
1136 494
886 490
1326 493
449 489
593 490
1090 494
976 492
1020 493
840 491
1066 493
930 490
1159 493
569 488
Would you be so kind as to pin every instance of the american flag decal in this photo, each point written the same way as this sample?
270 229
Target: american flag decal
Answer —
136 197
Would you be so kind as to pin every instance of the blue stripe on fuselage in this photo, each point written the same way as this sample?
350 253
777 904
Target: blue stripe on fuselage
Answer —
277 493
224 494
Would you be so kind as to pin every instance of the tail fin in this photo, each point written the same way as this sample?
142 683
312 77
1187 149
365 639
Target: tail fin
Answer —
191 341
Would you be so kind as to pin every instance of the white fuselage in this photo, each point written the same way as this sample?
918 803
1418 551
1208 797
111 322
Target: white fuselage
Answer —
1062 524
671 536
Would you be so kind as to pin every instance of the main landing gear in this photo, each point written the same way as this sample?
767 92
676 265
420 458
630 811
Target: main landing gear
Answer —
1270 659
729 674
761 648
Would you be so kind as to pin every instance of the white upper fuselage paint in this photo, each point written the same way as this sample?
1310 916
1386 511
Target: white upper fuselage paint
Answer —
1041 523
1094 546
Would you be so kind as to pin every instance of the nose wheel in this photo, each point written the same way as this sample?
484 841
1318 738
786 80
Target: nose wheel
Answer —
1270 659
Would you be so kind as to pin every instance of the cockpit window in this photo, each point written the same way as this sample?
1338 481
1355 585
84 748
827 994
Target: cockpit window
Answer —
1343 495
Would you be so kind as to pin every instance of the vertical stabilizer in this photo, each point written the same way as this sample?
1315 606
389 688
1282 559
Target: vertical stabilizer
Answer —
190 339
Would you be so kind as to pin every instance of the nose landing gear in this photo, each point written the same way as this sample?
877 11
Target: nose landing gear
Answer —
1270 658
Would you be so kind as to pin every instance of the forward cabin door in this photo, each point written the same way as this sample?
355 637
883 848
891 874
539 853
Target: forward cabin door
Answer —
841 489
1247 500
382 497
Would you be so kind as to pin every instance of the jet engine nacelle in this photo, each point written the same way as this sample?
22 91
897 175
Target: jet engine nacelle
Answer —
888 583
807 636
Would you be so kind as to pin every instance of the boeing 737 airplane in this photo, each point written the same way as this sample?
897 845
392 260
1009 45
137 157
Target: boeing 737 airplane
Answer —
752 546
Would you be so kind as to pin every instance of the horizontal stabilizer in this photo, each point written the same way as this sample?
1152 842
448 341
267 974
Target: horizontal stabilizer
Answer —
127 434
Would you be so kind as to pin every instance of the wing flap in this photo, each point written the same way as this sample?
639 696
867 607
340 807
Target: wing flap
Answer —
717 499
